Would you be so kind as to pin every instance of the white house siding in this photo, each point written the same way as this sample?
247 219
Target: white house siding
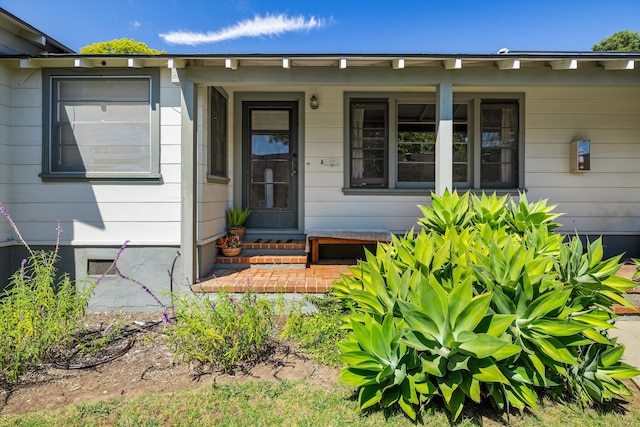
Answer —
326 206
213 193
605 200
5 149
97 218
100 213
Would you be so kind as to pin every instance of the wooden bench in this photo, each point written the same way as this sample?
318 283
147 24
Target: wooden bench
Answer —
315 238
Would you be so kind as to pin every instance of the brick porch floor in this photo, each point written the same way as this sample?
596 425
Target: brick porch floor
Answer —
318 278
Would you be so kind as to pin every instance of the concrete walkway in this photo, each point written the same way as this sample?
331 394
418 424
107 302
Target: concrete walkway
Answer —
628 333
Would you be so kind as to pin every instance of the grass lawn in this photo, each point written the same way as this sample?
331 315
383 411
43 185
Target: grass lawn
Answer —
267 403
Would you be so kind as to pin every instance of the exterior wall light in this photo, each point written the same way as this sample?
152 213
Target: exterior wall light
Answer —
314 103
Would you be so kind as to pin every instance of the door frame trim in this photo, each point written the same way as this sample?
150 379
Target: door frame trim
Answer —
237 176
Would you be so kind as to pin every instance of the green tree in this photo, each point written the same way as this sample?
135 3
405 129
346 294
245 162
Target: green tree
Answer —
622 41
121 46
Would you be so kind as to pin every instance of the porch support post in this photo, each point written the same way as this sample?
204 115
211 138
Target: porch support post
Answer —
444 137
188 181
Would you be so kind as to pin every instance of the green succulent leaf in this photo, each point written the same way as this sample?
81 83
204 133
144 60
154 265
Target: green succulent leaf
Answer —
490 374
611 356
485 345
472 314
426 388
456 404
555 350
617 298
357 377
556 327
547 303
407 408
621 371
449 384
408 390
496 324
369 396
471 387
420 322
390 395
361 360
434 365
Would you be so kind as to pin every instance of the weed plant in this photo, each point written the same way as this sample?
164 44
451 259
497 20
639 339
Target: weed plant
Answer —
40 312
222 332
318 333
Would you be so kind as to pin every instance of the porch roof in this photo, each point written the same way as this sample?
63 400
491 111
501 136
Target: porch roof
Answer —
507 60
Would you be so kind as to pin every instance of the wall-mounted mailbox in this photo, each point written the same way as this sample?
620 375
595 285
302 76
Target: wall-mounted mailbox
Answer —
580 156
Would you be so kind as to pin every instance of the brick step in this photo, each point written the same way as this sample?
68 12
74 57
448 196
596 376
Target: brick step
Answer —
276 245
267 253
262 260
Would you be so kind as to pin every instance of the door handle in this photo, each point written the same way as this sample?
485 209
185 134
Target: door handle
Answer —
294 164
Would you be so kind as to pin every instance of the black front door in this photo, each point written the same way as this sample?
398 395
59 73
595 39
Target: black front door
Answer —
270 163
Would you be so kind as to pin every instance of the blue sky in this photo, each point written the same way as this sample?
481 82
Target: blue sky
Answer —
333 26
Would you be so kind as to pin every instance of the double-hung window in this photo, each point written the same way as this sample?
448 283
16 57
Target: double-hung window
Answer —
369 144
393 142
101 127
499 145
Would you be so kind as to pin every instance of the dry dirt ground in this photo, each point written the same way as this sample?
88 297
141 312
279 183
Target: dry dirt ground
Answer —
147 367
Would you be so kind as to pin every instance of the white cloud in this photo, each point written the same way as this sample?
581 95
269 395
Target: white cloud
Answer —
269 25
134 25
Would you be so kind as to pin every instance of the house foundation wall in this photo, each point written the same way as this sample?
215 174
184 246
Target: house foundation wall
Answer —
6 266
150 268
626 245
153 271
206 258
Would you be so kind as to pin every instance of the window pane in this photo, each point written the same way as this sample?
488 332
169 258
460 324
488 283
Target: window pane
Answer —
270 120
499 147
369 144
416 143
218 146
461 152
101 125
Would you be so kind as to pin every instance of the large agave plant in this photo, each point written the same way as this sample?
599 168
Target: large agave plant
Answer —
485 302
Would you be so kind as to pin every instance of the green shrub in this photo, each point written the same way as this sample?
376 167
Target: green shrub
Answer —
223 332
318 333
40 313
484 303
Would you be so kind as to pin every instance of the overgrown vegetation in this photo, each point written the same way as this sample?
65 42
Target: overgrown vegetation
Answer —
221 332
485 303
40 312
318 333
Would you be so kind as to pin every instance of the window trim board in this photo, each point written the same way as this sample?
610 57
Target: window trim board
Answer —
49 76
473 99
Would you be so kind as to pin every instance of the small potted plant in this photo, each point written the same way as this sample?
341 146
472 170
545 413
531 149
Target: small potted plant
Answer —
230 245
236 217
